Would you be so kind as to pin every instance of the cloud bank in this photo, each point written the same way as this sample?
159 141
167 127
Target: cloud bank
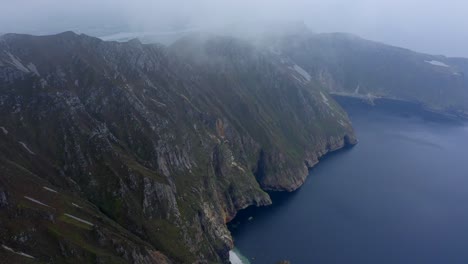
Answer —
424 25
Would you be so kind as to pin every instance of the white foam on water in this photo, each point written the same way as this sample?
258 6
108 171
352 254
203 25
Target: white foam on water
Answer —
236 258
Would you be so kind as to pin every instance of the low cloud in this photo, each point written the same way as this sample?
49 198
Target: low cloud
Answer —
428 26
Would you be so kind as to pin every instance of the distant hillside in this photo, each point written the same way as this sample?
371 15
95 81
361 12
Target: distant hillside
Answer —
353 66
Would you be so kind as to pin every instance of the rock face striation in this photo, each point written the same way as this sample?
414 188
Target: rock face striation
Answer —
139 153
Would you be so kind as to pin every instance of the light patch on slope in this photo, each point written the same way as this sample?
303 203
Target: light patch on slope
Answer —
302 72
36 201
325 99
297 79
26 147
158 103
80 220
16 252
33 68
357 89
17 63
49 189
125 36
437 63
77 206
43 83
235 164
4 130
275 51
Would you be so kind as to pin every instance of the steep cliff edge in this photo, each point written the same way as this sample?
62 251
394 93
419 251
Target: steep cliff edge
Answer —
286 112
123 152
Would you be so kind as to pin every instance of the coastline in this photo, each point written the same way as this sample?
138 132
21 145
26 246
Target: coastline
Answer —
309 163
345 189
311 160
406 105
331 147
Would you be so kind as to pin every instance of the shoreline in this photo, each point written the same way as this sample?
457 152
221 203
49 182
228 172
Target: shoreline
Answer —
346 190
321 154
286 192
379 102
376 104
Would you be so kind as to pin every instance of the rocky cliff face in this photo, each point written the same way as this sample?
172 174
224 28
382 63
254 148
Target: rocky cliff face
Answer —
123 152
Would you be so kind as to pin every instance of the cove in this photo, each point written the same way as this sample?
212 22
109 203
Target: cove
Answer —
399 196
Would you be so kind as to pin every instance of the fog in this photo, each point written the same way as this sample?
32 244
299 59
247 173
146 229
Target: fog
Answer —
432 26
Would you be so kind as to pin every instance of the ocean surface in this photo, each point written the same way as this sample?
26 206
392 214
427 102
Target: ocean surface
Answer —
399 196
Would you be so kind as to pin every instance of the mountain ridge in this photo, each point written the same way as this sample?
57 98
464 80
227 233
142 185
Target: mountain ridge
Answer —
150 150
148 140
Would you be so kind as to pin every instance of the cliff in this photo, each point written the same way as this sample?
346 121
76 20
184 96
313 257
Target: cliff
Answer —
123 152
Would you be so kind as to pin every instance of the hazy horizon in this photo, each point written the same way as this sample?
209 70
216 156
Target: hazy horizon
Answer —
422 26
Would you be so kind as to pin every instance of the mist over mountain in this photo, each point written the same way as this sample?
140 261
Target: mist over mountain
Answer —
419 25
138 133
167 143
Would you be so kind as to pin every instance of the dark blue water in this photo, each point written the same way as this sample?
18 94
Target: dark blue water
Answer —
399 196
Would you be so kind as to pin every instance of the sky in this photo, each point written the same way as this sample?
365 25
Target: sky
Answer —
432 26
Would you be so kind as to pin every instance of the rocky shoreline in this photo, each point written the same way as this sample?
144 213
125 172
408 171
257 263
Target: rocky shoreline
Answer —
311 160
406 105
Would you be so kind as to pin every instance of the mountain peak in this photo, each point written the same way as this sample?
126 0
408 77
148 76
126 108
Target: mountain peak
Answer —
67 34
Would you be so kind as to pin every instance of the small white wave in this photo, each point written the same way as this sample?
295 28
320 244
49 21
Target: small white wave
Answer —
236 258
